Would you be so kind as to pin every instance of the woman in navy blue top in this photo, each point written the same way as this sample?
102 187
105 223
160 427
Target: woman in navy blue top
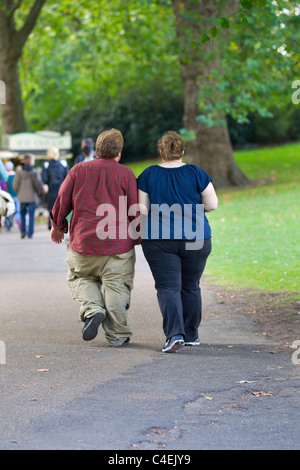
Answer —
176 238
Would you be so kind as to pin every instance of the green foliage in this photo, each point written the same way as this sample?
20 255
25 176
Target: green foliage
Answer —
89 58
247 4
259 62
142 115
224 23
213 32
281 127
83 52
187 135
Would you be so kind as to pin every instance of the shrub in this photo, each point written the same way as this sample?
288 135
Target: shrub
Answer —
142 117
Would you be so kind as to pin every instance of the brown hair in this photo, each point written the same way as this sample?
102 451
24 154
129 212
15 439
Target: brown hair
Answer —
109 144
29 159
170 146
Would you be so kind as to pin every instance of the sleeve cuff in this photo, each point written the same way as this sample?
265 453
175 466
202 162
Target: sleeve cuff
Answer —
63 228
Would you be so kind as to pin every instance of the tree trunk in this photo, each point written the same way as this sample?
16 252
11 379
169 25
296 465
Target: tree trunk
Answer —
12 42
211 149
13 119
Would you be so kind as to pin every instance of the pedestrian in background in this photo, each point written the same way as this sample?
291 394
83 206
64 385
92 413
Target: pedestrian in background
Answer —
88 153
176 265
9 221
87 142
3 179
28 185
3 172
53 174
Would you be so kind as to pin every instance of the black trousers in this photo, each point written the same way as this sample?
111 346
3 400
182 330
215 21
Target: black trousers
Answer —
177 271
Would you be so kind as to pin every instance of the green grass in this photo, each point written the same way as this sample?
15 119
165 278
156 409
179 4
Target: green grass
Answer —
138 167
256 229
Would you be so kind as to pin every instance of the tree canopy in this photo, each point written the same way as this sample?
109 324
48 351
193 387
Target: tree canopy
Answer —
90 55
84 53
79 48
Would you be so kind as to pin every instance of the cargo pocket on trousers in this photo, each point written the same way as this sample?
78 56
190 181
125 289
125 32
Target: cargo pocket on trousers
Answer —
73 285
128 286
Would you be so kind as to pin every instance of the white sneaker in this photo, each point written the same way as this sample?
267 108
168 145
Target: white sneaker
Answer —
173 344
193 343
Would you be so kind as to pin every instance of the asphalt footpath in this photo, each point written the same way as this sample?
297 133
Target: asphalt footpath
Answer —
238 390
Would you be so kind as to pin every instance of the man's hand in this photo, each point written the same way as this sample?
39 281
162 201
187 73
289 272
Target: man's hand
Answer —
56 235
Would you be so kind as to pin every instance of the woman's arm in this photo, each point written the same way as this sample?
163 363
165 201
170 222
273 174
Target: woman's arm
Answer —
209 198
144 203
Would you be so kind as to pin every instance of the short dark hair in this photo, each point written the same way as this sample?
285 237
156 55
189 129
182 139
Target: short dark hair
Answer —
87 149
109 143
29 159
89 141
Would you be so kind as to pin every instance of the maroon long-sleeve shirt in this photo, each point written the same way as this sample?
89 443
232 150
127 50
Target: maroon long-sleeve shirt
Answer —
100 193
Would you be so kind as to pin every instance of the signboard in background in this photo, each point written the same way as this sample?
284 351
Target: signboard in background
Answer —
37 143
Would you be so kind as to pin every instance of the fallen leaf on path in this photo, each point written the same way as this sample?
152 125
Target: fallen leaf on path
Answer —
43 370
158 431
247 382
261 394
208 398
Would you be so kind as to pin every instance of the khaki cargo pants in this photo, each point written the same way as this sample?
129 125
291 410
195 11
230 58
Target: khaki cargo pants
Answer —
103 284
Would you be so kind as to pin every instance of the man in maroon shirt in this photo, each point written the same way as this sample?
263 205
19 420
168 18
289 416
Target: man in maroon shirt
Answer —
101 255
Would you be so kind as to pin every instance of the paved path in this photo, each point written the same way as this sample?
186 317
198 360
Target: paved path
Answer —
238 390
